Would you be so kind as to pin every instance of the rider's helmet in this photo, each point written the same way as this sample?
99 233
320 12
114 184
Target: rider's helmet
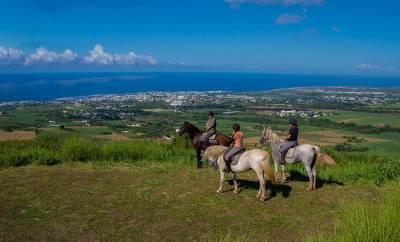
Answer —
211 113
236 127
293 121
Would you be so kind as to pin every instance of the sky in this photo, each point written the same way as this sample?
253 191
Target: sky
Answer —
273 36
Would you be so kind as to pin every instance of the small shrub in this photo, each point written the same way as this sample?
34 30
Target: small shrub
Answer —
78 150
48 141
36 156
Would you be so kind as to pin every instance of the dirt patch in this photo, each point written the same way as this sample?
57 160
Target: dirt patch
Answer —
85 126
251 140
113 137
348 121
319 138
264 113
17 135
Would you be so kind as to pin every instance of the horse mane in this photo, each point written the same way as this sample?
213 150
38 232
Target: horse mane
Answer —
274 137
214 151
193 127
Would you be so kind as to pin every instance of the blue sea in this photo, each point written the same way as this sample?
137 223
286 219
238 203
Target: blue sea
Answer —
48 86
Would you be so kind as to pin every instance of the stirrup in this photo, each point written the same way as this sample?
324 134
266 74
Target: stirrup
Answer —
213 164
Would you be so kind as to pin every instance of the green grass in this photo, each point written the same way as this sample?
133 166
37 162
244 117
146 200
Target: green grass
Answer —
377 220
356 168
148 190
50 149
91 130
159 202
364 118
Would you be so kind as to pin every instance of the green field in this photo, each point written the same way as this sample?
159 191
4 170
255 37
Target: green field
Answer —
364 118
67 185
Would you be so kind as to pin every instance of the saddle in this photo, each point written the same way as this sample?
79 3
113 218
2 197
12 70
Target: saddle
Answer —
290 152
234 160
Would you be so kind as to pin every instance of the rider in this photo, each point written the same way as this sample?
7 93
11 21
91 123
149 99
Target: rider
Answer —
237 143
291 140
209 129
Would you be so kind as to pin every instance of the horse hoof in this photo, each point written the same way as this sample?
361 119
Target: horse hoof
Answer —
236 191
219 191
262 198
309 189
258 195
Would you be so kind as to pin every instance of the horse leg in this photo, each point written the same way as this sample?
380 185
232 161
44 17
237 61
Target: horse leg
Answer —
221 180
260 175
235 183
283 173
310 176
198 156
314 172
276 164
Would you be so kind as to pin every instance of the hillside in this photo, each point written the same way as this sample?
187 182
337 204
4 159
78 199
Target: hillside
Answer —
161 202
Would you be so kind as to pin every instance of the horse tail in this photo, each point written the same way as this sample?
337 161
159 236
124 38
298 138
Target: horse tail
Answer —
266 166
323 158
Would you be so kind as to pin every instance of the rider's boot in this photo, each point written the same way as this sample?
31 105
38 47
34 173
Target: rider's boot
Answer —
283 157
213 164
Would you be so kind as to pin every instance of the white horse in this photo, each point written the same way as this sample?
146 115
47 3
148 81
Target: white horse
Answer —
257 159
307 154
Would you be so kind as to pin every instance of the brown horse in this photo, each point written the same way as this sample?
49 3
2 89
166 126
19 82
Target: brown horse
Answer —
195 136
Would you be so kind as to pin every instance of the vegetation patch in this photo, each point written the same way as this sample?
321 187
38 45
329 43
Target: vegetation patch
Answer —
366 220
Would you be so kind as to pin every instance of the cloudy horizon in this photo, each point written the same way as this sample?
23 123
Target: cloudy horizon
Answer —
285 36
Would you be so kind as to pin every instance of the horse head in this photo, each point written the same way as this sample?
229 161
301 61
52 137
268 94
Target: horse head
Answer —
183 129
265 135
187 128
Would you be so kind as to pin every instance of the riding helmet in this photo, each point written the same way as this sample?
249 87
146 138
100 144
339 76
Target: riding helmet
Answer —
293 121
211 113
236 127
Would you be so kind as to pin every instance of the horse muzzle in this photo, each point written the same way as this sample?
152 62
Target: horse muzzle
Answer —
178 131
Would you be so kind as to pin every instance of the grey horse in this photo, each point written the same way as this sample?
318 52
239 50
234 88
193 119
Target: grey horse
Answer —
307 154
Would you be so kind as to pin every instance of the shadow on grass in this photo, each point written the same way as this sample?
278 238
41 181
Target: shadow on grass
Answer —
297 176
275 188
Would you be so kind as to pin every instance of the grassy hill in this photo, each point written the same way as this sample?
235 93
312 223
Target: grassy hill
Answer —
161 202
75 188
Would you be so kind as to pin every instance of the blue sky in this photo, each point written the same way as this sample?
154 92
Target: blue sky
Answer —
289 36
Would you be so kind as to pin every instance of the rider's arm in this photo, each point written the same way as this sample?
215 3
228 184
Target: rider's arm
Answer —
289 136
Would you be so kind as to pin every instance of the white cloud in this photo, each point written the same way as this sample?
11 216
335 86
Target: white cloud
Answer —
288 18
305 3
336 29
370 67
10 55
367 67
133 59
43 55
68 56
98 56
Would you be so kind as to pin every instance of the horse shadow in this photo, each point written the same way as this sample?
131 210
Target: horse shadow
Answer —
297 176
275 188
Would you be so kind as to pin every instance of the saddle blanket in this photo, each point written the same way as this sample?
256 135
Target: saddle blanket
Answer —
235 160
290 152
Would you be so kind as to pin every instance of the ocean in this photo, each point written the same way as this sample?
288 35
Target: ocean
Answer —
48 86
